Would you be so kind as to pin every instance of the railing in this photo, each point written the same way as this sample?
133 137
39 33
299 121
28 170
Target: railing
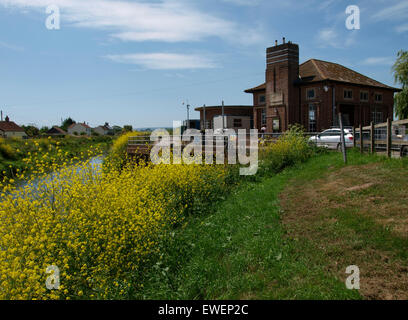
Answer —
388 136
143 144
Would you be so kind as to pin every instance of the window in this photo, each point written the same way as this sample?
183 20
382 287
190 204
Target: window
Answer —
378 97
310 94
363 95
312 118
376 117
348 94
262 99
263 117
237 123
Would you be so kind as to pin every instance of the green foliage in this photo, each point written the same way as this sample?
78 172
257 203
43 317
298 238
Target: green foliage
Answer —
7 151
291 148
400 70
66 123
31 131
127 128
13 151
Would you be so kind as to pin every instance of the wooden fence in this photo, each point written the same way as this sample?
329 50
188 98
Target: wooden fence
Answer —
388 136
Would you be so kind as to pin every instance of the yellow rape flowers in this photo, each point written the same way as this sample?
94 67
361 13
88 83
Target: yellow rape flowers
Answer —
98 225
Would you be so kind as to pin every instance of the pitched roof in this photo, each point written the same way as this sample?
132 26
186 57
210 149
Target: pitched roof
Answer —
260 87
219 107
10 126
57 130
315 70
82 124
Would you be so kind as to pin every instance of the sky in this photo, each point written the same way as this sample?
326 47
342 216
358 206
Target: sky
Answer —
135 62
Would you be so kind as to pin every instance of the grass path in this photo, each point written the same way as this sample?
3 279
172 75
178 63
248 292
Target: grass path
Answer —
243 250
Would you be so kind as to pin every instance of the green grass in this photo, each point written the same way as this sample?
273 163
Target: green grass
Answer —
242 251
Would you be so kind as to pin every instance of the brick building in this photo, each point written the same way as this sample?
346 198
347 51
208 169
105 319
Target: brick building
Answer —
312 93
212 112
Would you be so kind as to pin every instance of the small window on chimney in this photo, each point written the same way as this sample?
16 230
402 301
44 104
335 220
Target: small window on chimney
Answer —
364 95
262 99
348 94
311 94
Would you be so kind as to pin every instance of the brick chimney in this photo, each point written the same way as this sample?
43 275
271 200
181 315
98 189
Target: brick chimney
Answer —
282 70
7 119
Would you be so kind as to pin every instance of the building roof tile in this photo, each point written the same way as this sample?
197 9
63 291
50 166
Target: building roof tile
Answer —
10 126
315 70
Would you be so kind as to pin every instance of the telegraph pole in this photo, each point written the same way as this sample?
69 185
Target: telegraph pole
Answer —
223 115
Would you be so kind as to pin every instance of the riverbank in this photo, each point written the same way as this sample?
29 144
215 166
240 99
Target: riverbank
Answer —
18 155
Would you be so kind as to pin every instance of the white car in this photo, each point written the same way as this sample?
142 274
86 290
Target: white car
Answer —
331 138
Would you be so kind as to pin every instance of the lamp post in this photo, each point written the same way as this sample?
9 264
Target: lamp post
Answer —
188 115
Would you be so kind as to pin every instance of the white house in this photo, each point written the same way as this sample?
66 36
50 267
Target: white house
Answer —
79 129
103 130
9 129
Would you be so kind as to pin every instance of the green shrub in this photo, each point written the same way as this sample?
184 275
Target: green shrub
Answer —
291 148
7 151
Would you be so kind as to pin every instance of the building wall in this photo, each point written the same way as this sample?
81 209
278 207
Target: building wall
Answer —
13 134
210 113
101 131
79 128
362 110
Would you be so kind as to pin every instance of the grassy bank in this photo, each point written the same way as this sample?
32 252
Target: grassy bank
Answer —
260 244
14 152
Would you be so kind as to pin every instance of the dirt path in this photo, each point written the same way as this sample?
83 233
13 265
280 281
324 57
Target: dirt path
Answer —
357 215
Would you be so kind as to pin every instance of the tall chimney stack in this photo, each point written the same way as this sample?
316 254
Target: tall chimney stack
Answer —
276 43
282 70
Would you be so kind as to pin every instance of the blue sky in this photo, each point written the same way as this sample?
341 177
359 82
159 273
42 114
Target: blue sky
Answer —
135 62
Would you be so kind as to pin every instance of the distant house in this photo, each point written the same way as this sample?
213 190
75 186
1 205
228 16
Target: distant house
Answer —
103 130
79 129
9 129
56 131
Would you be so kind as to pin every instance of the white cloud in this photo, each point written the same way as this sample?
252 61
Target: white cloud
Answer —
164 61
379 61
10 46
402 28
331 38
243 2
397 11
164 20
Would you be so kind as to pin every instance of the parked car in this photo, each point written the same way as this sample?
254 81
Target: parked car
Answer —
331 138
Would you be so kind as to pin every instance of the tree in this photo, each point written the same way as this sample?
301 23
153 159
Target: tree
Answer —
116 130
66 123
31 131
400 70
44 129
127 128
